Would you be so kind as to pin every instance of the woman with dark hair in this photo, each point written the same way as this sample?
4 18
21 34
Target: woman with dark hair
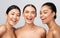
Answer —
48 15
30 30
12 16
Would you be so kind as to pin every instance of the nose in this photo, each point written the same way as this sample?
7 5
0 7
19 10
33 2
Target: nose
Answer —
14 16
29 14
41 15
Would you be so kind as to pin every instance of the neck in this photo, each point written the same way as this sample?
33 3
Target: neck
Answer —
8 26
29 25
52 24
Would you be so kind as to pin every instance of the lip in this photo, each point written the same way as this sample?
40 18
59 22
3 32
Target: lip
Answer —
29 19
43 19
14 21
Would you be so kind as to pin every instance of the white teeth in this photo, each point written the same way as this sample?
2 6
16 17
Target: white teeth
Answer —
29 18
14 20
43 18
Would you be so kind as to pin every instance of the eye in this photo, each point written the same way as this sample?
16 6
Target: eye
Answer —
33 12
27 11
40 12
18 15
45 12
12 13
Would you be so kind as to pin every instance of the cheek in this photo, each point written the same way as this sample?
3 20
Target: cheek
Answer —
48 17
40 16
18 18
9 17
33 15
25 15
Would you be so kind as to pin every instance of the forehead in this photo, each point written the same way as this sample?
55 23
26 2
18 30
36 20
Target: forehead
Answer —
30 8
45 8
14 11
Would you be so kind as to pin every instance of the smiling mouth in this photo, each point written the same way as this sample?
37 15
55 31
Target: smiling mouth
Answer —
43 19
14 21
29 19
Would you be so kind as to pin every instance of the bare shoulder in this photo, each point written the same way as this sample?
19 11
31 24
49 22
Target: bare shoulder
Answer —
41 29
2 29
17 31
56 32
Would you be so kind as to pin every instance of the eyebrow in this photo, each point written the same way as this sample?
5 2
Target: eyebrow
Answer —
45 10
12 11
28 10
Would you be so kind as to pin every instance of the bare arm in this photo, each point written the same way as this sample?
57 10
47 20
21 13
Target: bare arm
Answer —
49 35
44 34
2 30
17 32
56 34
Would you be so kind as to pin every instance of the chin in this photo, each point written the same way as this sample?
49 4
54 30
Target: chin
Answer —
44 22
29 22
12 24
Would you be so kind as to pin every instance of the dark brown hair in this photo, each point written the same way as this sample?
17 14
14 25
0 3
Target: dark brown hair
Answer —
31 6
12 7
52 7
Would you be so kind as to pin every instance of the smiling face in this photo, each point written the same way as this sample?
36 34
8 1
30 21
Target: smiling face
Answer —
13 17
46 14
29 14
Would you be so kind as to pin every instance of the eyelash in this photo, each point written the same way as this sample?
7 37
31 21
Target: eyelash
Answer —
18 15
27 12
45 12
12 14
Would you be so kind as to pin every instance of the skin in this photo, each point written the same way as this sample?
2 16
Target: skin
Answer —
47 17
6 30
30 30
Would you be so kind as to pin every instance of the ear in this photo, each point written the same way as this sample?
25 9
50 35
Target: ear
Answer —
53 14
36 15
6 15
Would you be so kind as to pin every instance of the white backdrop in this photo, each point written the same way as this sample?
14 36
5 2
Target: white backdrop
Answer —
4 4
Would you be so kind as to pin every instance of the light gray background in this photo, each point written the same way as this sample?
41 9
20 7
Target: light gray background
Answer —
4 4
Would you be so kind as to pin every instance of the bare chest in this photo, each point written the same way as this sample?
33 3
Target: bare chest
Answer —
8 34
29 34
